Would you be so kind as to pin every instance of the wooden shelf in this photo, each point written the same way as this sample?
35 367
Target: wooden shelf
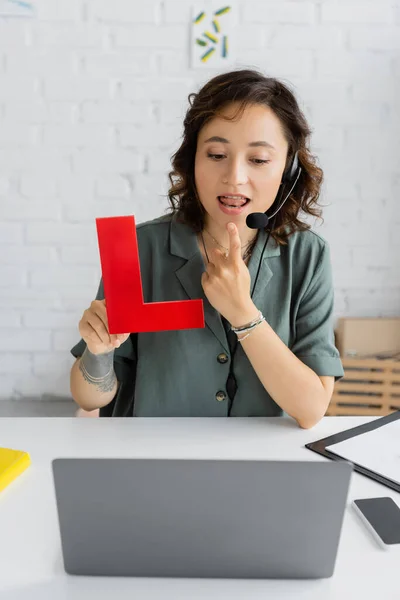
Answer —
369 387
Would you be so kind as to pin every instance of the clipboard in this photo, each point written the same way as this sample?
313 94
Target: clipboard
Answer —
319 446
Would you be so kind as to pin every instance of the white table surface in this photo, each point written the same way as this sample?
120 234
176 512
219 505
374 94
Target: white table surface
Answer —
30 550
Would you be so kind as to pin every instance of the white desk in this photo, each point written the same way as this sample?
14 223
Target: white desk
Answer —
30 552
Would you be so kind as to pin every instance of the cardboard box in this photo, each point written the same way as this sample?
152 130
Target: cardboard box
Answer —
368 337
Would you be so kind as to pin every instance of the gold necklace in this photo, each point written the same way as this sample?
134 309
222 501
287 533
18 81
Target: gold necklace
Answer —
246 255
221 246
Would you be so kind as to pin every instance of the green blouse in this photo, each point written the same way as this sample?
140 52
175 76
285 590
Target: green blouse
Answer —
184 373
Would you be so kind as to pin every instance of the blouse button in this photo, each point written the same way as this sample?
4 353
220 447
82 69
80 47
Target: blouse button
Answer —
220 396
222 358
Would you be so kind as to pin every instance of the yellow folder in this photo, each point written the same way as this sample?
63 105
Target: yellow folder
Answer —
12 464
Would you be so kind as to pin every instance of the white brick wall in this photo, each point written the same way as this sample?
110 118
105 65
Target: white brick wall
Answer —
92 95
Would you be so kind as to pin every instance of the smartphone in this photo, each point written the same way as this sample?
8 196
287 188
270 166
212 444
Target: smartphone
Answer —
382 518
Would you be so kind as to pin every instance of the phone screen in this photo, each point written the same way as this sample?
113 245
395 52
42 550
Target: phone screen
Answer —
384 516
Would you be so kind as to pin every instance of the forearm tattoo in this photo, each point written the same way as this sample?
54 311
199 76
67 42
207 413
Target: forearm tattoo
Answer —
98 369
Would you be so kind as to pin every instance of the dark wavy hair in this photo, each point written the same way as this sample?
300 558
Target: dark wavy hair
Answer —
246 87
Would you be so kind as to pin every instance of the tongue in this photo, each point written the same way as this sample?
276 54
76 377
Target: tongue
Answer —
231 201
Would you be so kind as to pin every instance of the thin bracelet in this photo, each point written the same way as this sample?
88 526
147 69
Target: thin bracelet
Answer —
249 326
98 379
242 327
247 334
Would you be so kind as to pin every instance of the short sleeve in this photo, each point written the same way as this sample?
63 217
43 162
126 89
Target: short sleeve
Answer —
125 360
314 342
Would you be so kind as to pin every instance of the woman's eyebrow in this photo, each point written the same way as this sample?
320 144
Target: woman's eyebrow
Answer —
217 138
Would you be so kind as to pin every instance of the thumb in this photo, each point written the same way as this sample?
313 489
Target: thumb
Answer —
123 336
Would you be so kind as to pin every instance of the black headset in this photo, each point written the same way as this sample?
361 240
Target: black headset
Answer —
259 221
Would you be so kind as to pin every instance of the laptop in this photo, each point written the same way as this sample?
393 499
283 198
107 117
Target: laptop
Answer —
200 518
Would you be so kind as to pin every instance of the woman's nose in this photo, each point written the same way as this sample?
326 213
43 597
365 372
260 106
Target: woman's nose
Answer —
236 173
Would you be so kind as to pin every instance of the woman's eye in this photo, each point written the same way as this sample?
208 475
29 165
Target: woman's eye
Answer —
215 156
256 161
260 161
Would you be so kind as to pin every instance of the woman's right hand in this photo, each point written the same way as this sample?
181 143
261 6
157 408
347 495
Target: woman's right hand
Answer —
93 328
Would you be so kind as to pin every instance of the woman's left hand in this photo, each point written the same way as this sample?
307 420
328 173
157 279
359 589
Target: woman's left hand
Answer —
226 282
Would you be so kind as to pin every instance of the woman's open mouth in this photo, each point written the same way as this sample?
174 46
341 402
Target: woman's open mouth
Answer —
232 205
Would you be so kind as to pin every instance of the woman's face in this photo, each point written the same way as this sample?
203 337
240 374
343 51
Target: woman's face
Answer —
239 164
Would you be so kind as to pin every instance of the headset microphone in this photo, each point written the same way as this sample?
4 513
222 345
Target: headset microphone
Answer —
261 220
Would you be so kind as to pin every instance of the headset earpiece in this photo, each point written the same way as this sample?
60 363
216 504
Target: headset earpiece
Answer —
291 172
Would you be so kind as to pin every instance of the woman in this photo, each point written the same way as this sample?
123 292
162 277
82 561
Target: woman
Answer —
268 344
